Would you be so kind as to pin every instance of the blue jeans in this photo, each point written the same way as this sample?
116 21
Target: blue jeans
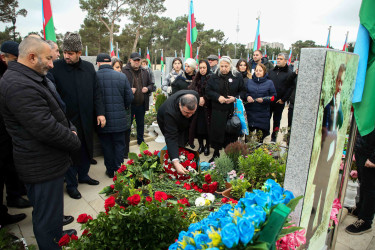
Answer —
139 113
82 169
47 199
113 147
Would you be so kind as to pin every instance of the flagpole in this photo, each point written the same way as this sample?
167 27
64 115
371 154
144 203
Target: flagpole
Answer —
329 37
86 51
116 48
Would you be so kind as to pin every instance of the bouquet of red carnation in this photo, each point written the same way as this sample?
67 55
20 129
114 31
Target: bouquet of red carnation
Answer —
188 159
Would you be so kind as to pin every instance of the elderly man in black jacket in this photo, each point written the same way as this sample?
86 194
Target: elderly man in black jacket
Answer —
283 79
42 137
117 97
174 118
78 87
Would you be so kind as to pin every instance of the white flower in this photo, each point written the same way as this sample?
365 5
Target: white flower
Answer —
200 201
208 196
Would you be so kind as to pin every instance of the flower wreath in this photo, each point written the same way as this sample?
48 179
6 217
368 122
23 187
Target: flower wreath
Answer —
187 160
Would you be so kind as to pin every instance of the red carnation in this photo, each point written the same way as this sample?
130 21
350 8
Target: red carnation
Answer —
139 155
166 156
115 178
190 156
121 207
83 218
130 162
272 98
156 152
184 201
178 182
74 237
160 195
112 186
146 152
134 200
200 190
193 165
85 232
205 188
207 178
276 129
187 186
233 201
148 198
64 240
224 200
110 202
213 187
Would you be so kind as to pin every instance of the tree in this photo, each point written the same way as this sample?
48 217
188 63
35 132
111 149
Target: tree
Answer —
8 13
297 46
143 13
108 12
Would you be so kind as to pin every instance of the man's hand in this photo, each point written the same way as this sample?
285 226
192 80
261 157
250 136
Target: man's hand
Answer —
179 168
260 100
101 120
222 99
201 101
134 89
250 99
296 71
280 101
144 90
369 164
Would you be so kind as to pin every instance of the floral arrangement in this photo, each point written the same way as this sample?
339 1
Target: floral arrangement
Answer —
335 210
237 225
187 159
291 240
206 199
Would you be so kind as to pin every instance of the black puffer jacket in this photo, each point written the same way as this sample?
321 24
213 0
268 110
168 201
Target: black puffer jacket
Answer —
42 135
283 79
182 82
263 61
117 97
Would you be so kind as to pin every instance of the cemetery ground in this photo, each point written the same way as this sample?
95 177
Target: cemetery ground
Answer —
92 203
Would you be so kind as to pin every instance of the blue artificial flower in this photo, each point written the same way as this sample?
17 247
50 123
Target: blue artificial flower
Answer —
276 196
208 223
263 199
195 227
213 248
173 246
201 241
246 229
246 202
288 196
181 235
272 185
189 247
230 235
224 221
260 213
225 208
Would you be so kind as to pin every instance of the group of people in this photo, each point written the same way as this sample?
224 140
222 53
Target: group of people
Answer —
263 88
50 108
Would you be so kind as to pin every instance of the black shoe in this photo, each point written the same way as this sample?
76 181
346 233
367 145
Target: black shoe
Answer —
213 158
358 227
110 174
192 146
200 149
69 232
353 211
273 139
11 219
207 150
19 203
74 193
93 161
90 181
67 219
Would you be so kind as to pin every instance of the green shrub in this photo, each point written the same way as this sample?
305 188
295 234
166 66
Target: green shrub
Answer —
160 99
235 150
239 188
223 165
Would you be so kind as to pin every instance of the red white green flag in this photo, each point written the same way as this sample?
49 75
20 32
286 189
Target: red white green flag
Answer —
148 58
48 27
191 33
162 61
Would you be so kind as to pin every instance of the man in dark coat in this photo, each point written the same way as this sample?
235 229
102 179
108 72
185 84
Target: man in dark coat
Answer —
174 118
283 79
142 87
78 87
117 97
42 136
258 58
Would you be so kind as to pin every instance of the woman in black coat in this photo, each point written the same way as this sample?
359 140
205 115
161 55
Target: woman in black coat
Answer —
200 125
260 92
183 81
222 89
243 67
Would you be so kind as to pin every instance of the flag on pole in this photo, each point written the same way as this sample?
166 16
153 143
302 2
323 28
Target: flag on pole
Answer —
175 53
86 53
162 61
248 56
345 48
148 58
290 56
139 51
329 37
118 55
191 33
197 56
48 27
218 52
257 38
364 92
265 51
112 50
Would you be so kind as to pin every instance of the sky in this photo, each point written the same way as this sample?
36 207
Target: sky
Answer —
280 21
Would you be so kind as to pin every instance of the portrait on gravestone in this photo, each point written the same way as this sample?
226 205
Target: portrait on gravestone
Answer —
332 123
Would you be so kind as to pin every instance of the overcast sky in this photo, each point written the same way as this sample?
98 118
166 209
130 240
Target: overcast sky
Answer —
281 21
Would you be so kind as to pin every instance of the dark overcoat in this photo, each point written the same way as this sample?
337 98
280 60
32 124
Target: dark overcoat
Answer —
78 87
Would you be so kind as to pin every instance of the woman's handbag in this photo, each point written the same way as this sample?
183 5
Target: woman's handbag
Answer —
233 125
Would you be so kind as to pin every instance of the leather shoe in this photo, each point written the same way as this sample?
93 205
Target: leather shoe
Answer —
110 174
74 193
11 219
93 161
69 232
90 181
19 203
207 150
200 149
67 219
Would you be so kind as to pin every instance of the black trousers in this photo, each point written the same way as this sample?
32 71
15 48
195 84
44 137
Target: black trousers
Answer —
47 199
277 111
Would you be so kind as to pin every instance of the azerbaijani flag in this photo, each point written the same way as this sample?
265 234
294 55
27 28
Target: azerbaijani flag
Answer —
139 51
162 61
257 37
345 48
191 33
112 51
290 56
248 56
218 52
148 58
48 27
197 56
265 52
329 38
364 92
